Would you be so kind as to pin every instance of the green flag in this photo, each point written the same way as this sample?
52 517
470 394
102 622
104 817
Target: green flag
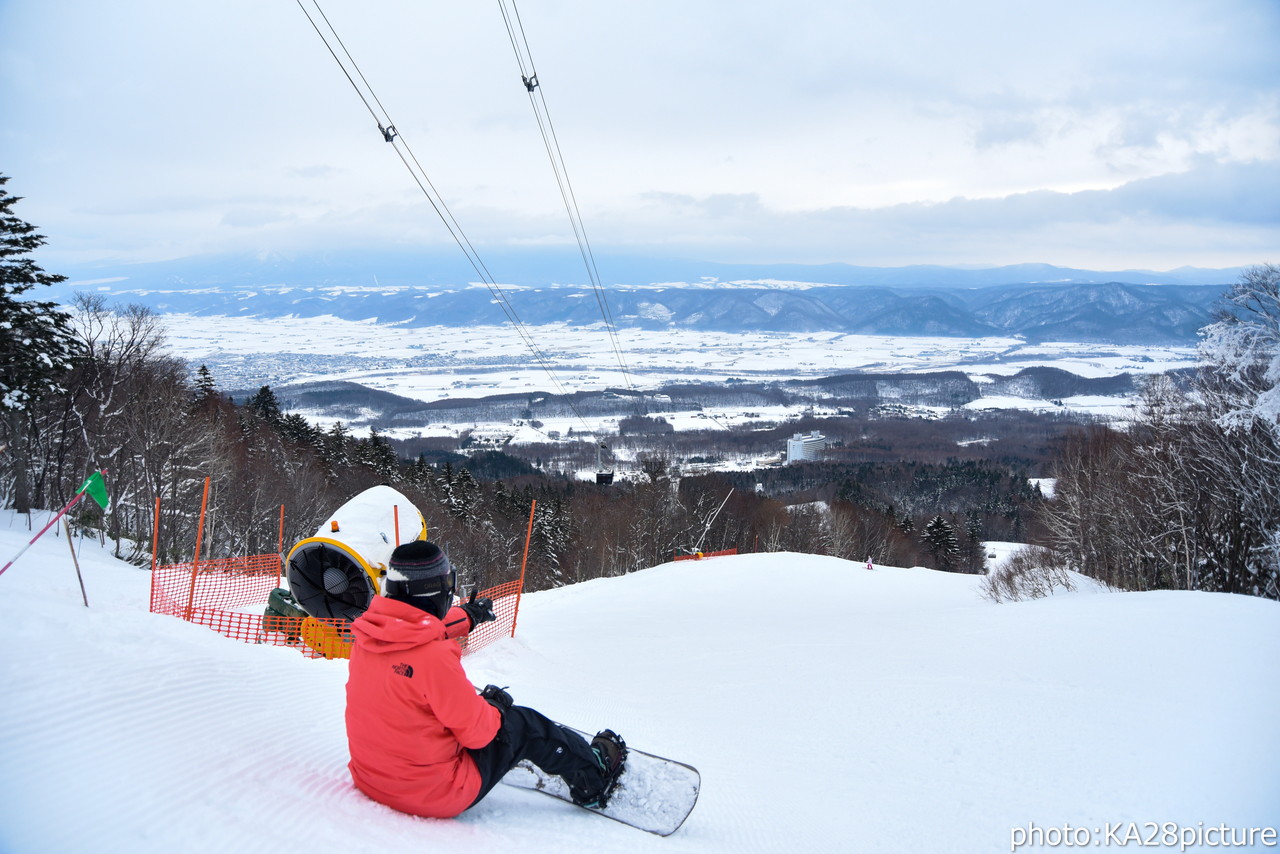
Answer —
95 489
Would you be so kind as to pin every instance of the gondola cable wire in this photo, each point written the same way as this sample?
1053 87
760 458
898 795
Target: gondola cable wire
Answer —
537 100
389 133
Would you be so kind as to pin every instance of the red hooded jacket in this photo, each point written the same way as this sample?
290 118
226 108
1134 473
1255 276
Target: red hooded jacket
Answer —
411 711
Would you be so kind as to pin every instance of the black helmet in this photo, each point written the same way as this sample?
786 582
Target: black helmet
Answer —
419 574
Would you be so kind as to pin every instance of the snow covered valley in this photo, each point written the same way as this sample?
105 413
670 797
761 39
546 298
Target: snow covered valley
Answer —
435 362
480 383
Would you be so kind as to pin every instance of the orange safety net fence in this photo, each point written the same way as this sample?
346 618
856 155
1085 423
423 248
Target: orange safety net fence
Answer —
229 595
224 583
701 555
505 599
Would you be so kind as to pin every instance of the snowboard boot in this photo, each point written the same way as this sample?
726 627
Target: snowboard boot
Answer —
611 754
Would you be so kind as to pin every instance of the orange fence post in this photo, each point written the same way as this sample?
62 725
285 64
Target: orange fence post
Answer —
280 546
155 552
528 536
395 515
195 559
155 536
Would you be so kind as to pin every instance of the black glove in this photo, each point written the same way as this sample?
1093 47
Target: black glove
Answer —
497 697
479 610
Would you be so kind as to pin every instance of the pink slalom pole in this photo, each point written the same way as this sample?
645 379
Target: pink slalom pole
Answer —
52 522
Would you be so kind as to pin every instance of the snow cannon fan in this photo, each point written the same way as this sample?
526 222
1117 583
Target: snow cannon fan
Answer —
336 573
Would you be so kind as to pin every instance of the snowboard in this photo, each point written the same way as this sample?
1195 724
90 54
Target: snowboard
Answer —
653 793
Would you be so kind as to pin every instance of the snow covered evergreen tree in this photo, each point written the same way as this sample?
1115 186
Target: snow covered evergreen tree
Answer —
298 430
973 556
459 493
1239 384
376 453
939 537
552 533
336 447
1241 352
36 343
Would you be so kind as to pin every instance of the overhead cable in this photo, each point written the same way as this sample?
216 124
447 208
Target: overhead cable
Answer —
389 133
537 100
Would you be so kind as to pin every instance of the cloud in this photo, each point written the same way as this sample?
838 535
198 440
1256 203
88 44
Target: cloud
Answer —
1221 193
986 131
255 217
1006 130
1226 193
1210 212
315 171
714 206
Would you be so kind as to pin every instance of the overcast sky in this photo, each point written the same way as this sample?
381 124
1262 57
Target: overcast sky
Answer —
1117 134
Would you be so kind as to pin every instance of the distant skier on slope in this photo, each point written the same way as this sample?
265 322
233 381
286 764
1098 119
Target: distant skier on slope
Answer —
421 740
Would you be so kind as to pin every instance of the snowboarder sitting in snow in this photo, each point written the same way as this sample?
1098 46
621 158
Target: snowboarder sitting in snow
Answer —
421 740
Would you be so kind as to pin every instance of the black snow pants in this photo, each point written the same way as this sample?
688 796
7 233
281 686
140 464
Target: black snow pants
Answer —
528 734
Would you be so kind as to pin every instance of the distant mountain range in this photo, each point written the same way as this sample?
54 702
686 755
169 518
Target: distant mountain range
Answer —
1037 301
542 268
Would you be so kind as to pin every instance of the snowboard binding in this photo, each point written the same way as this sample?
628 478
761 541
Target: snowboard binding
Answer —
611 753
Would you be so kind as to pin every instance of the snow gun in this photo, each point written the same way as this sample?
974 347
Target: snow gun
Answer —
336 573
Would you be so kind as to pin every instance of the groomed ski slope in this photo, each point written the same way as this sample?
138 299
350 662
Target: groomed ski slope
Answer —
829 708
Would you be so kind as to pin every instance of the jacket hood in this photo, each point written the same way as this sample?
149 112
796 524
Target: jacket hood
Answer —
391 626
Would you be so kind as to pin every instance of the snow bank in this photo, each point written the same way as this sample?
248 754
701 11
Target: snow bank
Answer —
829 708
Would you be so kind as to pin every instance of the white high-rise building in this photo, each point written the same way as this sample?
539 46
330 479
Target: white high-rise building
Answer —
801 447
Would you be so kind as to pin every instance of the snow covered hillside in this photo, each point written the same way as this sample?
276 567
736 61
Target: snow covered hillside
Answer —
829 708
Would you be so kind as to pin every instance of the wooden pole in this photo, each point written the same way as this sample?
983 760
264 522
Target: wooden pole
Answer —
195 559
395 515
66 524
524 561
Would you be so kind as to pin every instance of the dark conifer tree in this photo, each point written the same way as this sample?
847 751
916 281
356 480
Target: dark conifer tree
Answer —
37 346
376 453
205 388
336 448
298 430
264 404
973 556
36 343
940 540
